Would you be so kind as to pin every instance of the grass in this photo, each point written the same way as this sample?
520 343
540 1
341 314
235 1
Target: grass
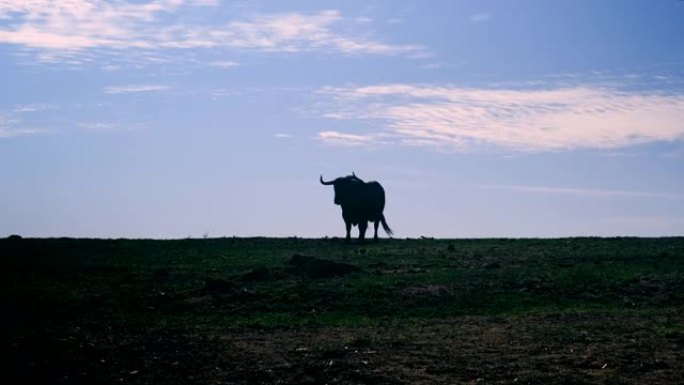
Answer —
423 296
398 279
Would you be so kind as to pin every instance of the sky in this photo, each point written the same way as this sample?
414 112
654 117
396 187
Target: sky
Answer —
208 118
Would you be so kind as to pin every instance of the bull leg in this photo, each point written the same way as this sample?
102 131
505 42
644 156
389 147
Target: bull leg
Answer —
348 225
363 225
375 225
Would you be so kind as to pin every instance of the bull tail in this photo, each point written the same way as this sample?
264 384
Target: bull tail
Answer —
385 226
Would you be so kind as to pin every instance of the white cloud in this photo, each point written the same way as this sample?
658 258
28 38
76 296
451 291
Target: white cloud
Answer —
334 137
20 109
295 32
529 119
12 121
57 31
433 66
480 17
80 24
11 132
98 126
224 64
134 88
10 126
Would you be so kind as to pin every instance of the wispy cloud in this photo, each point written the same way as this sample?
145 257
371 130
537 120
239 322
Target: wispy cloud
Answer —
334 137
69 29
480 17
584 192
11 132
135 88
81 24
552 119
98 126
12 121
10 126
33 107
296 32
224 64
363 20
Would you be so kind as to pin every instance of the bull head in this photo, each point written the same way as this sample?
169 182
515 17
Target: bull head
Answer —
343 187
336 184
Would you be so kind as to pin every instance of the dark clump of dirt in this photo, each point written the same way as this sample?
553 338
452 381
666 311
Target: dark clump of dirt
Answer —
263 274
218 286
320 268
221 292
426 290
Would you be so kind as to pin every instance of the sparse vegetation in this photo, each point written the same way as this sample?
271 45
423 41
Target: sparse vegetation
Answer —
253 311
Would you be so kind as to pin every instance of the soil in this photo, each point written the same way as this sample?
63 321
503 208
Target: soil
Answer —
470 350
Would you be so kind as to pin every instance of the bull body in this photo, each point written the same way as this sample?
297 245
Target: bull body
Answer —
361 203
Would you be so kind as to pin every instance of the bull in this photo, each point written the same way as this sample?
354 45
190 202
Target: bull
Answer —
361 202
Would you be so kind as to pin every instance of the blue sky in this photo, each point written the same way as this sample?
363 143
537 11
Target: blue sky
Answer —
176 118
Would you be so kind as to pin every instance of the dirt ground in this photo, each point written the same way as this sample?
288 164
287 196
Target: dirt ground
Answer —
558 349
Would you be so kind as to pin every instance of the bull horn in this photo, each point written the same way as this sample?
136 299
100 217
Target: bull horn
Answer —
326 183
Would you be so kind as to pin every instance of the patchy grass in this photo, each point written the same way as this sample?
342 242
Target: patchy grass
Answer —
252 311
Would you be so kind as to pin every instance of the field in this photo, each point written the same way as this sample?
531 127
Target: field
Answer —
317 311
